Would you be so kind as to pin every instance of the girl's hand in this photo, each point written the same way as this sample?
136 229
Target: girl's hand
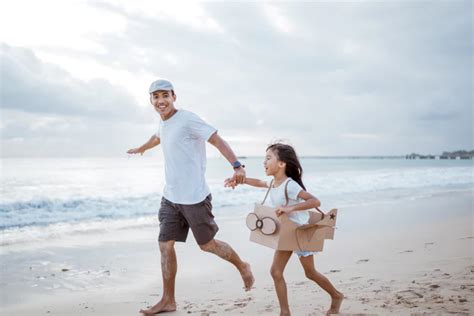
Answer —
283 210
230 183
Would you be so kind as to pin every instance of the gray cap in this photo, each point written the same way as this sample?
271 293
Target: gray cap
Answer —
160 84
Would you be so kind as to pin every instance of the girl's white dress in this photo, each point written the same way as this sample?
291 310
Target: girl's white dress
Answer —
277 198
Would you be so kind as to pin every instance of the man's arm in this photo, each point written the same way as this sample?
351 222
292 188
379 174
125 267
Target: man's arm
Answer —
226 151
152 142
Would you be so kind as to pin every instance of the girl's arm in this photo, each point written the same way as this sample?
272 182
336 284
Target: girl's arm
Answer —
256 183
250 181
310 202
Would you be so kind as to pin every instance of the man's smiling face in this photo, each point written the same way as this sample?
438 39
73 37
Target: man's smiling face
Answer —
163 102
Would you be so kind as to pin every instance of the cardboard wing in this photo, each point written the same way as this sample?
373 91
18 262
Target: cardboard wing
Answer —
289 236
310 237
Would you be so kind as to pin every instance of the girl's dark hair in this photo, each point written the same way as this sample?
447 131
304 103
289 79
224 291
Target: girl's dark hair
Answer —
287 154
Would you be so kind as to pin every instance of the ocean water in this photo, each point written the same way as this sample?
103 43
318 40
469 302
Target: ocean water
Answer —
43 198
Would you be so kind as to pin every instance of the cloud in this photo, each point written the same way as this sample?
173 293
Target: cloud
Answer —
48 112
28 134
33 86
333 78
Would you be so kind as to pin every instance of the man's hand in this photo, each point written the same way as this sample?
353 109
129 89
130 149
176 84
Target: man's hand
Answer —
152 142
239 175
138 150
283 210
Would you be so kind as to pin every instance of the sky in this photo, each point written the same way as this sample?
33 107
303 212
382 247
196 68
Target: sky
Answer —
329 77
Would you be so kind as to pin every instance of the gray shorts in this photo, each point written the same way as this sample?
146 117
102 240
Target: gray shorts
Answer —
176 219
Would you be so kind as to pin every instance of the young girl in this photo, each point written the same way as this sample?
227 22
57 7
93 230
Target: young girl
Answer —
283 165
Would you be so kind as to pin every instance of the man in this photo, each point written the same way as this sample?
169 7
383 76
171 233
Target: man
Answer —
186 201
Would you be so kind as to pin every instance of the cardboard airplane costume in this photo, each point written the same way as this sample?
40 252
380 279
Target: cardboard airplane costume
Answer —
281 233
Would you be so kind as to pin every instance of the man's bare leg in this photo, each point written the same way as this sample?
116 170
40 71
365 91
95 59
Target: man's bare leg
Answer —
226 252
311 273
169 267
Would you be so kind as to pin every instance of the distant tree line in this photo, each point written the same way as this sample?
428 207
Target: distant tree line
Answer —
459 154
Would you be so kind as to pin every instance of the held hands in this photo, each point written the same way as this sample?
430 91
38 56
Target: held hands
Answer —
239 175
230 183
237 178
283 210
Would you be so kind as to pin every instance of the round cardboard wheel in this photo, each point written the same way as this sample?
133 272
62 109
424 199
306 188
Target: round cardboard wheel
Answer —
251 221
269 226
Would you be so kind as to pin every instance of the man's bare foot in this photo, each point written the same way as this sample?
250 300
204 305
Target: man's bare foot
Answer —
335 304
247 276
160 307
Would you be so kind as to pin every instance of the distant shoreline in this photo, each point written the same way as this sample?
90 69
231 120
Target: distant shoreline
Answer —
404 157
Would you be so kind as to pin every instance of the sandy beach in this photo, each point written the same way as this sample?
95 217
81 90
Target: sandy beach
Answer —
406 257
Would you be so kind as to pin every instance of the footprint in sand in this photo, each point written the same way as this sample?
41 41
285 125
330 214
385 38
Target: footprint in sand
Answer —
334 271
268 309
364 300
206 312
406 251
438 299
408 294
188 305
408 298
469 287
240 303
363 260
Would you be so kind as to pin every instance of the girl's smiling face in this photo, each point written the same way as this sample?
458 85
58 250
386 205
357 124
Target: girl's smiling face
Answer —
271 163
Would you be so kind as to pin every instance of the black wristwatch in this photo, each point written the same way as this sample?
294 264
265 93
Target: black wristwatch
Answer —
236 165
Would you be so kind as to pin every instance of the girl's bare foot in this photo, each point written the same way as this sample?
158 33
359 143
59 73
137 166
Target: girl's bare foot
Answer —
336 302
247 276
160 307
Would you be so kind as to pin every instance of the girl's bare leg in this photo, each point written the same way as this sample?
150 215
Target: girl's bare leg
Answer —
324 283
280 259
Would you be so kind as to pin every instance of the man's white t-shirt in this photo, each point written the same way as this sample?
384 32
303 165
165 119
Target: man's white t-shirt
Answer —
183 138
277 198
